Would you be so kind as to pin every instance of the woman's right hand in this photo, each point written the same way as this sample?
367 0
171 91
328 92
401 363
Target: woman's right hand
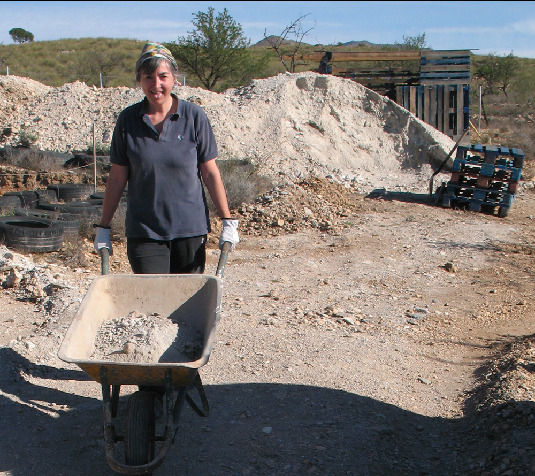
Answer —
102 239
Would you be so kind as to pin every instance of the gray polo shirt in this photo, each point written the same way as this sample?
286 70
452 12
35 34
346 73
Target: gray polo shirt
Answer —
165 194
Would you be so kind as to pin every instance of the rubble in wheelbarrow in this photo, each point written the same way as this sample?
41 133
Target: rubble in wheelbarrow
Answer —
146 338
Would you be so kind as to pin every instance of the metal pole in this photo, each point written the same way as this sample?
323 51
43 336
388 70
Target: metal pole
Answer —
94 158
100 80
480 109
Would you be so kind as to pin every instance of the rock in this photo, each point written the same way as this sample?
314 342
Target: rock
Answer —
13 279
129 347
449 267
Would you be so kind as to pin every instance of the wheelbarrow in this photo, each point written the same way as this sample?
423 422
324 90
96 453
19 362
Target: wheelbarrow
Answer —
193 299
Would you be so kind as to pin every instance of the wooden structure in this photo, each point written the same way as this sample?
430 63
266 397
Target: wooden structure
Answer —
432 84
442 96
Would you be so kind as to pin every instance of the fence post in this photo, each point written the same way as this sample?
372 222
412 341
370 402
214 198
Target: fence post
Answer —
7 74
100 80
94 159
479 127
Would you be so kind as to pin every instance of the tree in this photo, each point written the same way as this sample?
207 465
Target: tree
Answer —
215 50
288 50
4 54
20 35
414 42
494 74
91 64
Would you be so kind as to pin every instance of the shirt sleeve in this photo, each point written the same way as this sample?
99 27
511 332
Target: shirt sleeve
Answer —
118 143
206 143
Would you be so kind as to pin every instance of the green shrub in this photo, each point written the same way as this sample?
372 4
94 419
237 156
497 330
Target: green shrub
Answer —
26 138
242 182
101 149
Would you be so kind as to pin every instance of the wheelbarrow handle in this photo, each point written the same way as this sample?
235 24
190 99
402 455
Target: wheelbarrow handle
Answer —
105 260
227 246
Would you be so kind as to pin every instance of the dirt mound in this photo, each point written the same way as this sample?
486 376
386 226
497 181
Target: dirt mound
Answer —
15 95
291 126
505 411
302 124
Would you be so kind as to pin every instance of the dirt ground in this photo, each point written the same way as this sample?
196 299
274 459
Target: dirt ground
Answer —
396 340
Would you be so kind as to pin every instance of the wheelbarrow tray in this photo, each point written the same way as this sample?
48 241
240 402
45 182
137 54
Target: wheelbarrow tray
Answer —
189 298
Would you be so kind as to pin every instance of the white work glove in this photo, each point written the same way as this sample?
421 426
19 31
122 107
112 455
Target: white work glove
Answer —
102 239
229 233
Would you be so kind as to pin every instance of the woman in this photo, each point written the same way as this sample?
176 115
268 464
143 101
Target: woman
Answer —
162 147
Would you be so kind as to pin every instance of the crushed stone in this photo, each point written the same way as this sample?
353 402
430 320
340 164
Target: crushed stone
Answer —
290 126
146 338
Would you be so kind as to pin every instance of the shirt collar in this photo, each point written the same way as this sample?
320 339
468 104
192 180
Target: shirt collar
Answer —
145 103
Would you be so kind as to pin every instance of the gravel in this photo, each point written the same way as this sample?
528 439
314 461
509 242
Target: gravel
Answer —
364 331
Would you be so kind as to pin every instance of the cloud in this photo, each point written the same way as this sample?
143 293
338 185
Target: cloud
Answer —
525 26
455 30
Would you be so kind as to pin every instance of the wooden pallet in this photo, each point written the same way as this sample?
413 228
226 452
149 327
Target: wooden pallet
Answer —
477 200
485 175
492 154
484 178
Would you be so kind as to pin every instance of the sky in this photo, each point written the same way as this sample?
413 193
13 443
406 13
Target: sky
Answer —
483 27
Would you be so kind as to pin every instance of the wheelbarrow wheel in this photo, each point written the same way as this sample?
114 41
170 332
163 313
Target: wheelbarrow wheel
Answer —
139 429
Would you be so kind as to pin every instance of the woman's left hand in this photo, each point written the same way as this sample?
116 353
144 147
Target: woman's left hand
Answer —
229 233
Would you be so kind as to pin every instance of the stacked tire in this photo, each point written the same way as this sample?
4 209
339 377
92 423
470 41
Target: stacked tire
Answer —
70 222
31 234
68 192
36 221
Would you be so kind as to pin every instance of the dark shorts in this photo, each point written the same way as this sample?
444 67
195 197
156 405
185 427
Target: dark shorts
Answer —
179 256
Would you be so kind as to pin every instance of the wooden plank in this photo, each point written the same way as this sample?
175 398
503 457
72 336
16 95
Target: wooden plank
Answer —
376 56
433 98
399 93
444 61
444 53
339 56
460 109
419 101
440 107
435 68
441 82
459 76
412 101
426 104
446 111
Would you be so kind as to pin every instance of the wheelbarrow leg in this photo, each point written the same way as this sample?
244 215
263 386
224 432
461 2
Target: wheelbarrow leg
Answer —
115 390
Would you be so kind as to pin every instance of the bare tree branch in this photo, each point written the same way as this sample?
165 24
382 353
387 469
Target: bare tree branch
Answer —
278 43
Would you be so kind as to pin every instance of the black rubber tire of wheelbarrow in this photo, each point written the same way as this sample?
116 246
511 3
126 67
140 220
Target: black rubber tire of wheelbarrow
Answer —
140 425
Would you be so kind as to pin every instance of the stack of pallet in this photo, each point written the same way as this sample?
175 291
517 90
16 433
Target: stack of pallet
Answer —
484 179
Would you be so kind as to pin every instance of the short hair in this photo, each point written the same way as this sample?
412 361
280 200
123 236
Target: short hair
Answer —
150 65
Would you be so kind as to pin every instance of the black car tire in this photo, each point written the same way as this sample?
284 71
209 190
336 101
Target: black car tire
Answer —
71 191
34 235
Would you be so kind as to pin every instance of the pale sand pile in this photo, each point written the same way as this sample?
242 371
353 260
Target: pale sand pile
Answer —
290 126
146 338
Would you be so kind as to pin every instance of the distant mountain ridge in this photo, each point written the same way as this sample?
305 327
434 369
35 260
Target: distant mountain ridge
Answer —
354 43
